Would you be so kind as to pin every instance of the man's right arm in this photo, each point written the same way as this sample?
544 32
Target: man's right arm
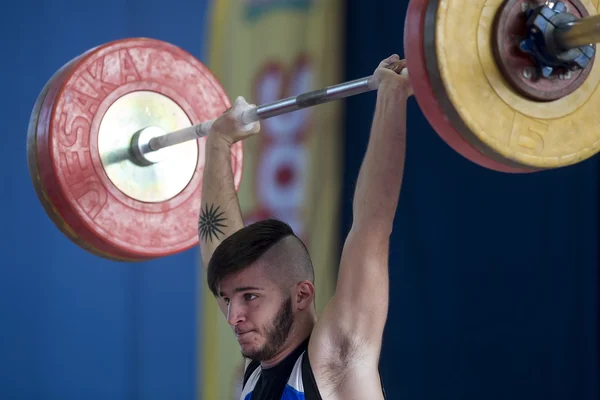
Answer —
220 214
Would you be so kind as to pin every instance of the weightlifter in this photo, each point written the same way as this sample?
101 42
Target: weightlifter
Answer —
263 279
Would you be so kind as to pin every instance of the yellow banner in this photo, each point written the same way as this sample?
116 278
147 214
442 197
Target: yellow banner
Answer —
266 50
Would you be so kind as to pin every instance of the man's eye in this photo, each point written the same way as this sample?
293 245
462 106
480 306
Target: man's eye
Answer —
249 297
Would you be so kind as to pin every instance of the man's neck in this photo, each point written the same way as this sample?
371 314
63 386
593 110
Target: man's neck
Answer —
293 341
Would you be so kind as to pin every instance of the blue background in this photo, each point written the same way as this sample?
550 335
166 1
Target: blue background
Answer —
74 326
494 278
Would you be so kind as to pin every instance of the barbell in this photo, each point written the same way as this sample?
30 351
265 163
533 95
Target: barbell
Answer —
115 141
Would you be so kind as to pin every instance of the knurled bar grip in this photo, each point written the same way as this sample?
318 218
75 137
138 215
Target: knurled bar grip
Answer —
270 110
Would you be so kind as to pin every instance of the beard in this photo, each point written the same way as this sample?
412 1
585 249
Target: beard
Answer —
276 335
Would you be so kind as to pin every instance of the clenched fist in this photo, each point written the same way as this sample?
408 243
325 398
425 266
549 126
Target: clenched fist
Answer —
230 126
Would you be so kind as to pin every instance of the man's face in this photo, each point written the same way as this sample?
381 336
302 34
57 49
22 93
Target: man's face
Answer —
260 314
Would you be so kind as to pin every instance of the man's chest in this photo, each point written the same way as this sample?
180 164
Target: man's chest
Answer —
271 389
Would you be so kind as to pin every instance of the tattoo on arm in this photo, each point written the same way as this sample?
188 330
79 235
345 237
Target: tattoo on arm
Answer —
210 222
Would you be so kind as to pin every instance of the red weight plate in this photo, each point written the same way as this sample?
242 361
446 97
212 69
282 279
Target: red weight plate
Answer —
116 225
414 33
46 96
39 123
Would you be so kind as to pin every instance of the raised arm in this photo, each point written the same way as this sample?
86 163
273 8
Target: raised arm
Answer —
362 287
220 214
351 327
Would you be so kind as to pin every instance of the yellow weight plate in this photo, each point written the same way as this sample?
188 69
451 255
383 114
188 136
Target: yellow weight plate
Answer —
497 119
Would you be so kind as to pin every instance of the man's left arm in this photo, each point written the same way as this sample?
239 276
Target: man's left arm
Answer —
352 324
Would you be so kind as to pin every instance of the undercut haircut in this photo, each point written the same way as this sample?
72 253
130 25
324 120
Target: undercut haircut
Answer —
269 240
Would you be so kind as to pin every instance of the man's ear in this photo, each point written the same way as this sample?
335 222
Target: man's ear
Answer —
305 293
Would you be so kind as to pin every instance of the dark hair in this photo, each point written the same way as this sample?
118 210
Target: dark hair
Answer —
246 246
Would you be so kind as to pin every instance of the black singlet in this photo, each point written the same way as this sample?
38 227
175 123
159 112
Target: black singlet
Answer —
291 379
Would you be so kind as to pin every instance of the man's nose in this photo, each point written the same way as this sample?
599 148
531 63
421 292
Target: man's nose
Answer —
235 314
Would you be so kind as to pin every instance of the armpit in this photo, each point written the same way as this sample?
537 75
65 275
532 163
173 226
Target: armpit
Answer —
343 352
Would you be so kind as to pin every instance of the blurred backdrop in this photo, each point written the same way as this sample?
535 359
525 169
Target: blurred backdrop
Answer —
494 277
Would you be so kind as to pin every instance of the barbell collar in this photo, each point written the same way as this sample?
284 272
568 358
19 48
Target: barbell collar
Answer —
583 32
